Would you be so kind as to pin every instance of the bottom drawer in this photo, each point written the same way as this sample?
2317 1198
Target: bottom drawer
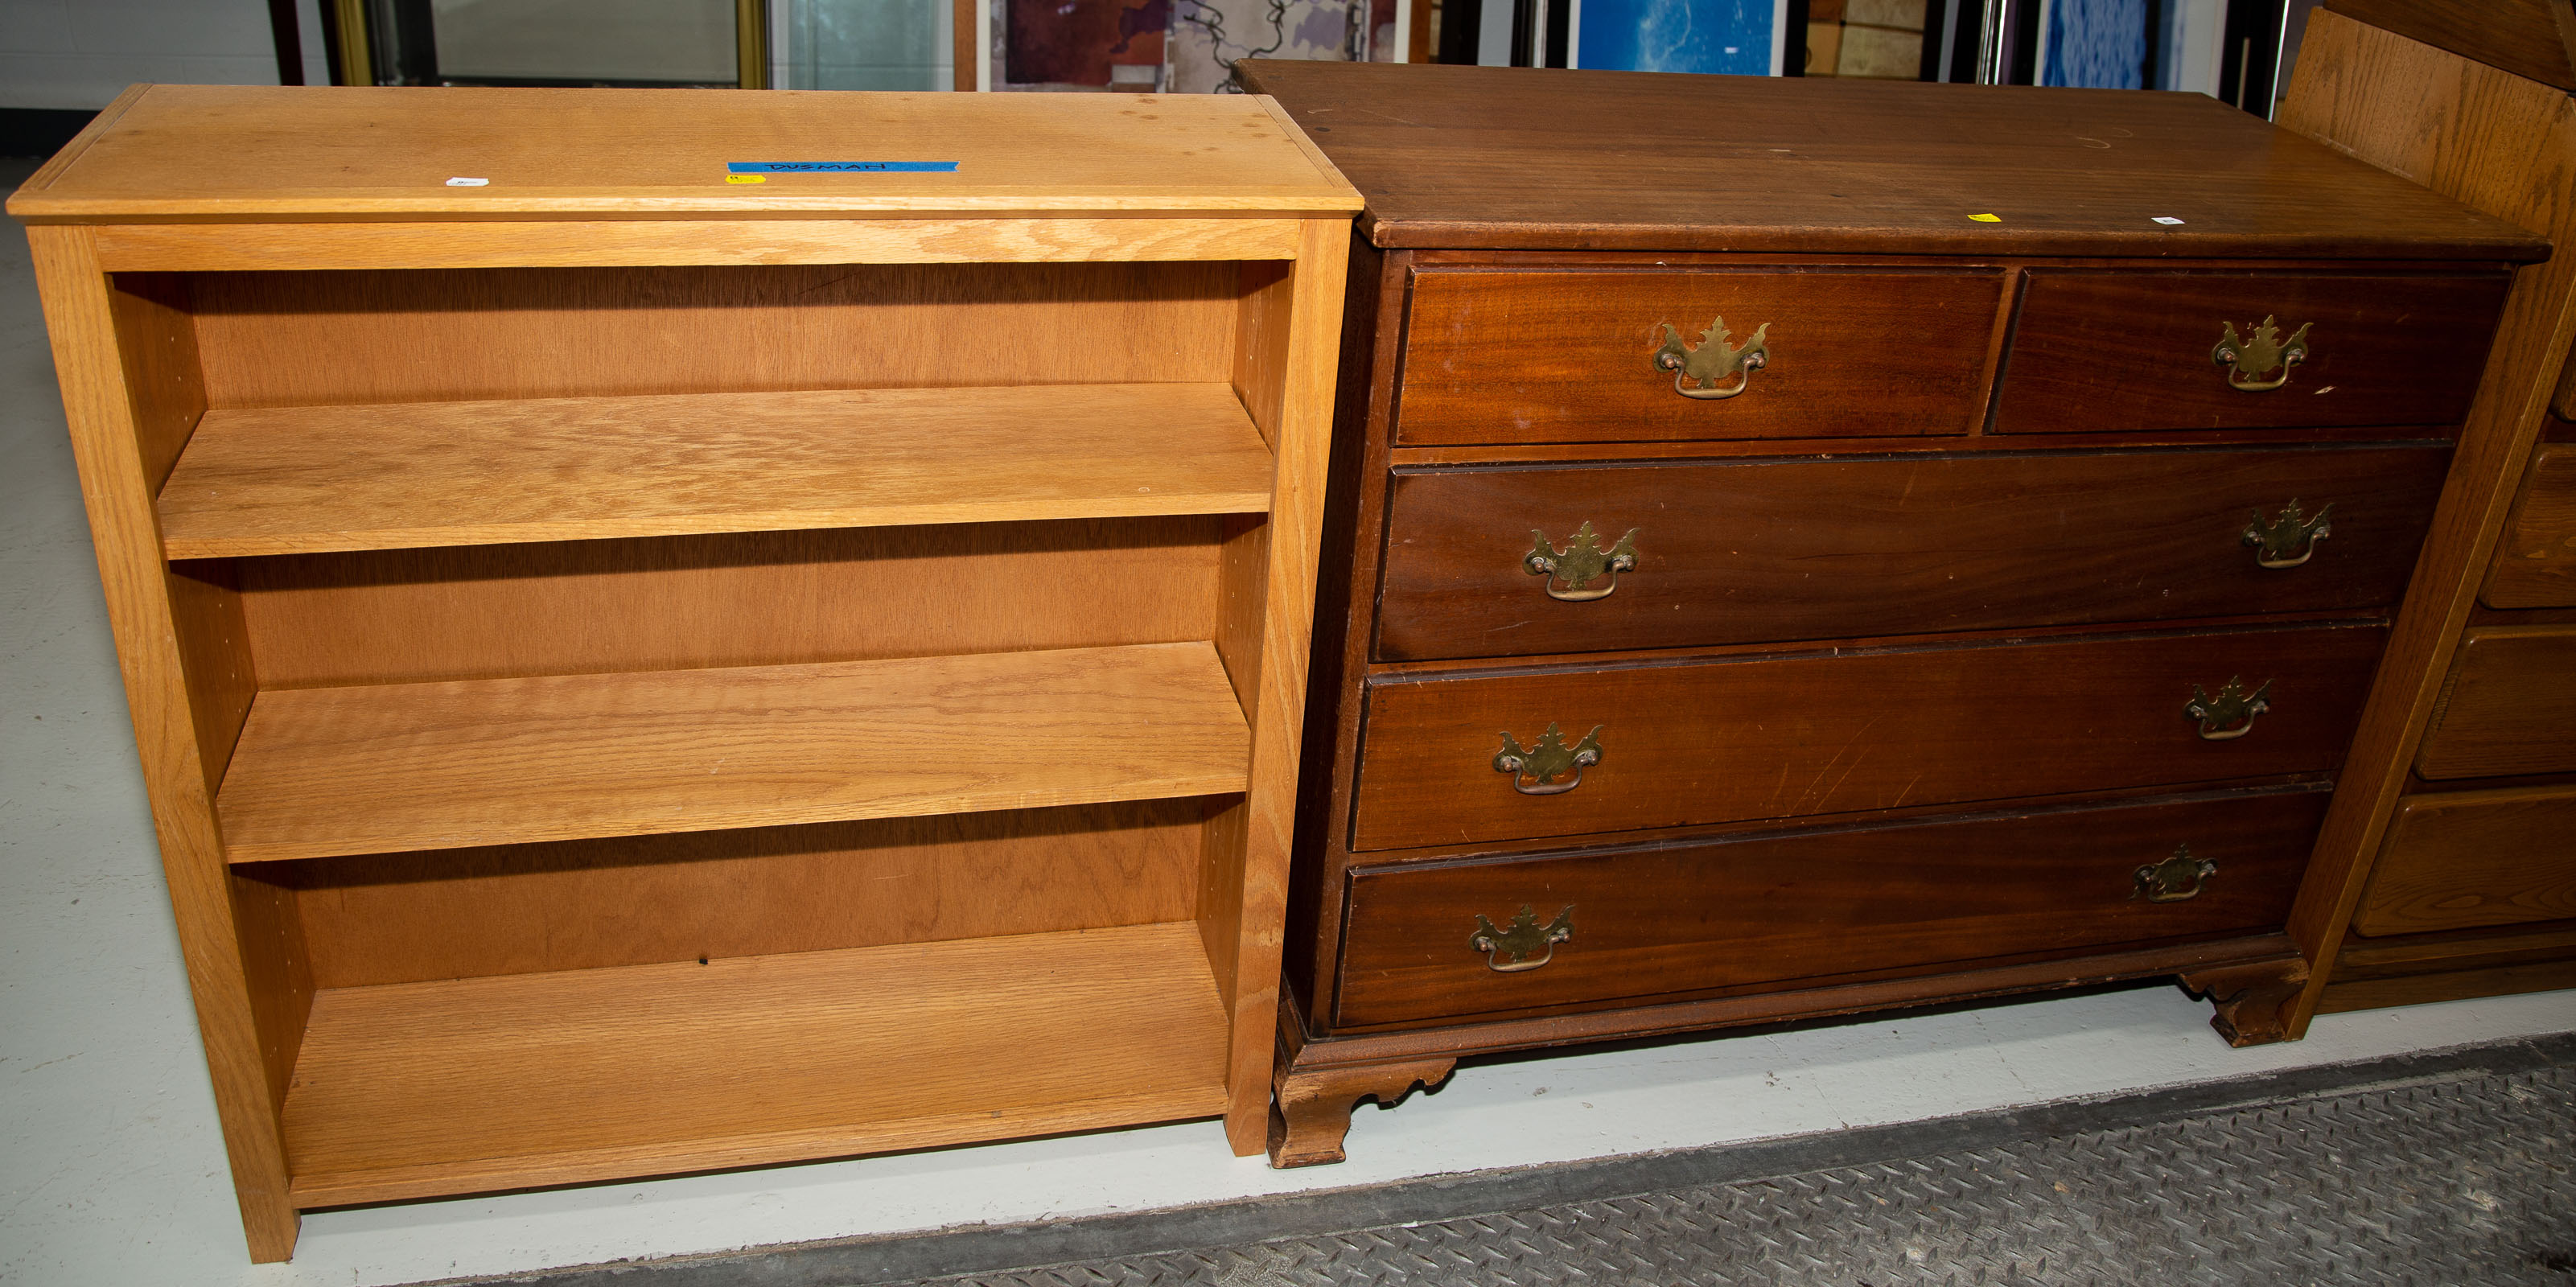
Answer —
1764 909
2461 860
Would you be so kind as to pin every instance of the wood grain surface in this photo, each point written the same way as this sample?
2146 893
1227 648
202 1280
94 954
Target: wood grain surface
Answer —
2510 705
1543 159
2535 558
1818 734
2471 858
397 767
298 480
2533 38
1783 907
1495 357
416 1089
2107 351
198 151
1804 549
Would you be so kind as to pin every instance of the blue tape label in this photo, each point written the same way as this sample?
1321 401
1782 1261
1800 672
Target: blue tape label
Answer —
840 167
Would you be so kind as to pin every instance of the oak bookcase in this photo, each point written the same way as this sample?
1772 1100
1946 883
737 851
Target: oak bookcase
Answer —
640 669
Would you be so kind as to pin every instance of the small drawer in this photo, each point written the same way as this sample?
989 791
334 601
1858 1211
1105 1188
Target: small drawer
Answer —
1688 743
2535 561
2466 859
2106 351
1527 562
1768 910
2510 706
1529 357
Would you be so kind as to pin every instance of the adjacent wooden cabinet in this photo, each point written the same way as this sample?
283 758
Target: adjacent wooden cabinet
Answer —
651 654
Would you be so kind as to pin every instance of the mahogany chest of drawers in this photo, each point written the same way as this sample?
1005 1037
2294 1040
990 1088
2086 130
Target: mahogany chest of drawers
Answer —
1796 547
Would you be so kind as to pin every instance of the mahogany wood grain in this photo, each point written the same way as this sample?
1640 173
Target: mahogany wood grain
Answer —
2372 958
2464 859
1314 1111
299 480
396 767
2534 38
1545 159
2251 1004
2100 351
2535 559
1803 549
1784 907
1512 357
1818 734
2510 705
415 1089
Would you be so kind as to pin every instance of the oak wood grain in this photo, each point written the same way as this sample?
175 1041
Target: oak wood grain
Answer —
2346 995
415 1089
2535 558
2472 858
397 767
2534 38
2509 706
298 480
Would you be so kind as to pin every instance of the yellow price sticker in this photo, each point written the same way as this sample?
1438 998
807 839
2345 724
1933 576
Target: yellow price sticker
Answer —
746 178
1987 218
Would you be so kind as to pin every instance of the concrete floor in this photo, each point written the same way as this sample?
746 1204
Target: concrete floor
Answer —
111 1170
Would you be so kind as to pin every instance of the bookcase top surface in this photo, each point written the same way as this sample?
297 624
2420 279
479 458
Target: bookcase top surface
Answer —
1517 158
193 152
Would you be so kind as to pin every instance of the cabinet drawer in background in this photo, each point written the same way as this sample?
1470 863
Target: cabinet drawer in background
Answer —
2105 351
1803 549
1779 737
1771 909
2464 859
1569 356
2535 560
2510 706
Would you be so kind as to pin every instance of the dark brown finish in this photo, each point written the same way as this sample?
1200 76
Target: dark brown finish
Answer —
2448 985
2533 38
2535 559
1551 160
2510 705
1769 909
1802 549
1493 357
2413 968
1311 1112
2253 1001
2102 351
2465 859
1819 734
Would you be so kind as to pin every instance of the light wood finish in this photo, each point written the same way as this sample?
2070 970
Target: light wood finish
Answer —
181 152
2458 860
572 243
2509 706
2535 560
2534 38
298 480
2506 146
395 767
415 1089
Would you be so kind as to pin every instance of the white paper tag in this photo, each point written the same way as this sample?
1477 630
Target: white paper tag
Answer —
2166 220
468 183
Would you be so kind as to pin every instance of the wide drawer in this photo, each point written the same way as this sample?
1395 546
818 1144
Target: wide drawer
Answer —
2535 560
1567 356
1773 909
2102 351
1497 562
2510 706
1687 743
2464 859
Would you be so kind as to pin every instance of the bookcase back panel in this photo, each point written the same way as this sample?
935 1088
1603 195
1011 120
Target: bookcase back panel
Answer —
751 599
322 338
591 904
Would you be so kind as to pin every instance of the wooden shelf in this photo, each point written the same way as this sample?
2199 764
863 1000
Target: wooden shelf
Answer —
301 480
398 767
414 1089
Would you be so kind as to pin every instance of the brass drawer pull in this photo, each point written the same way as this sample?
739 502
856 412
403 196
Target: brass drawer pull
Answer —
1714 360
2176 879
2275 540
2247 360
1580 563
1525 936
2230 715
1534 771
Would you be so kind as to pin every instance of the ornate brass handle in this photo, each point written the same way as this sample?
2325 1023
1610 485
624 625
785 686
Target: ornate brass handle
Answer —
1524 936
1713 361
1580 563
2247 360
1535 771
2176 879
2274 540
2230 715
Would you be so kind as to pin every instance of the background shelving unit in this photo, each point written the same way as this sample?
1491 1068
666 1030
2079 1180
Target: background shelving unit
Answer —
640 673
